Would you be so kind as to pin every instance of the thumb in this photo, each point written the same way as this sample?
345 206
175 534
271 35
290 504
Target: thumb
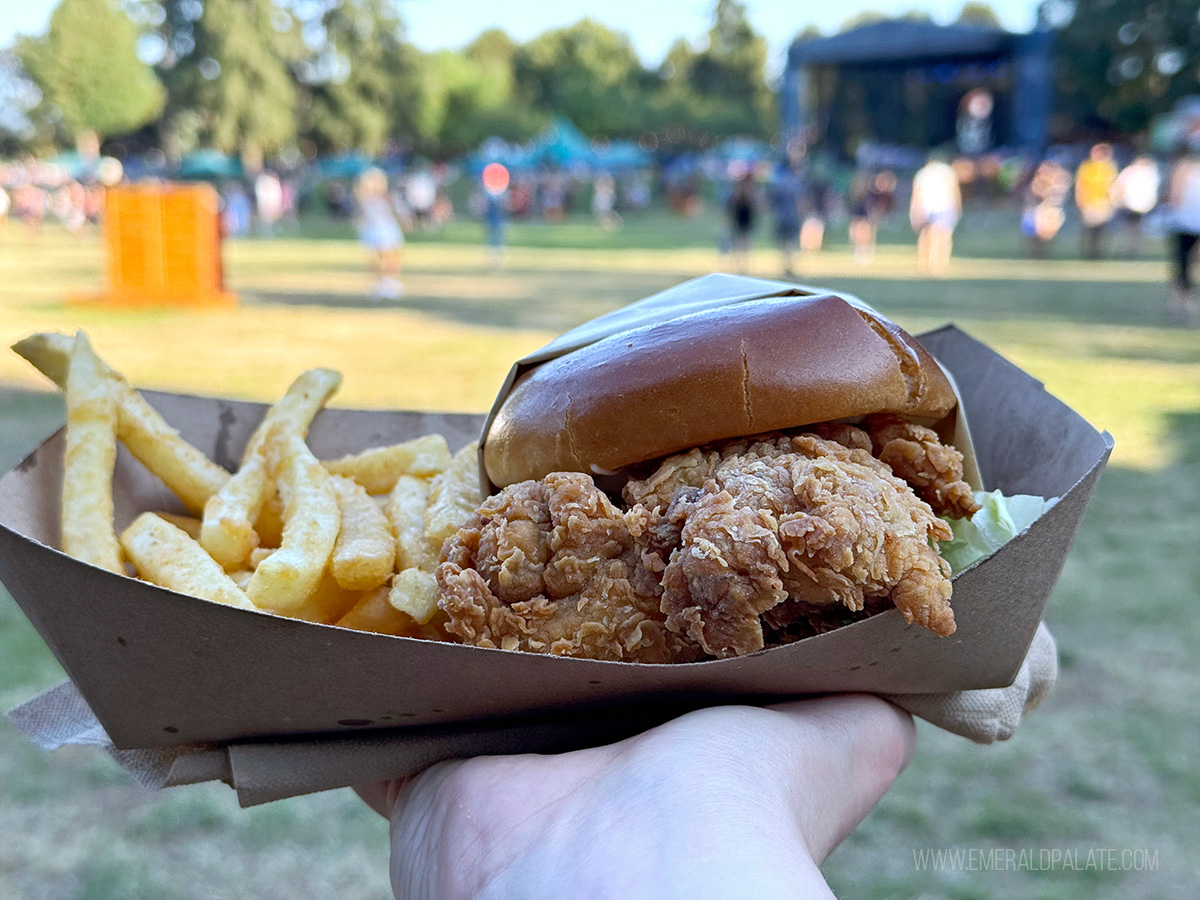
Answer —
845 753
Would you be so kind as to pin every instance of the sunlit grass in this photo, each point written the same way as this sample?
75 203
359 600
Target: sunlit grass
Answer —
1091 332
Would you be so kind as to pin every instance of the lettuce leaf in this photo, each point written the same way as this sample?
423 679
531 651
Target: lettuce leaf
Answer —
1000 518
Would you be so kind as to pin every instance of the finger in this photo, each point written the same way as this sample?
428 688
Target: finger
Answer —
845 753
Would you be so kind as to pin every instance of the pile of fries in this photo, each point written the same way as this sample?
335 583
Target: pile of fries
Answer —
352 541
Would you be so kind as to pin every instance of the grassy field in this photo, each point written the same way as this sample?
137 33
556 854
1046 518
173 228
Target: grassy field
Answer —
1108 763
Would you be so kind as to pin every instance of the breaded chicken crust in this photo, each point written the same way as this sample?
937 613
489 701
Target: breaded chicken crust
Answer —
553 567
802 519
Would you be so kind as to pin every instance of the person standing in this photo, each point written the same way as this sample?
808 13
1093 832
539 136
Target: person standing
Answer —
1094 180
379 231
934 212
1135 193
786 196
1183 221
742 210
495 181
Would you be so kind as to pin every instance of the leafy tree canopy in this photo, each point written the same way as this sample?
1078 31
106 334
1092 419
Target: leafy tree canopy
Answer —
88 70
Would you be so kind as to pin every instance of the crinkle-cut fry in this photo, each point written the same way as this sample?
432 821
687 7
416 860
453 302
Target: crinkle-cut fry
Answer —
453 496
88 533
189 525
406 512
285 579
364 555
415 592
166 556
230 514
227 530
377 468
140 427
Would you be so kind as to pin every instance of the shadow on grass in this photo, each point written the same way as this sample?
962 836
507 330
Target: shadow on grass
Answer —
563 300
558 298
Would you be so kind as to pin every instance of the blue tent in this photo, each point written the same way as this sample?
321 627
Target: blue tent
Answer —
512 157
563 145
620 156
75 165
208 165
344 165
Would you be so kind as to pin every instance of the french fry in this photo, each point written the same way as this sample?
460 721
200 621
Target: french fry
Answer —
91 455
328 602
377 468
189 525
285 579
453 496
227 530
166 556
230 514
241 577
270 523
365 553
415 592
145 433
373 612
406 511
296 409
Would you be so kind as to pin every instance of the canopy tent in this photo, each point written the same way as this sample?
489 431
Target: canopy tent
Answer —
208 165
344 165
562 146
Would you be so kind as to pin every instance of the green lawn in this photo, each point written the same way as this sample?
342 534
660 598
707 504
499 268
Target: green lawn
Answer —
1107 763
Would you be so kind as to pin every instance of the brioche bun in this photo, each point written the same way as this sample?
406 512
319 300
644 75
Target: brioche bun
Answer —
737 370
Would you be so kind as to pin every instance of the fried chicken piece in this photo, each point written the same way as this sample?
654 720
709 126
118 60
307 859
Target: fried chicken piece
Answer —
802 518
553 567
933 469
683 470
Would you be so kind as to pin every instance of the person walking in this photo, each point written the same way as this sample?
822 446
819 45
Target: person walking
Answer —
934 212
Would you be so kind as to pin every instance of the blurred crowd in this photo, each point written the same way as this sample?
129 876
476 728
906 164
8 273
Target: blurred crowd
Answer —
34 192
1112 198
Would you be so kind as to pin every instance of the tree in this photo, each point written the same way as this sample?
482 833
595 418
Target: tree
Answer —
361 80
978 12
228 67
463 102
89 73
586 72
1121 62
733 69
718 91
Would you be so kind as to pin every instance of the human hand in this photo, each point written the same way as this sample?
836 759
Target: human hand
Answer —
731 801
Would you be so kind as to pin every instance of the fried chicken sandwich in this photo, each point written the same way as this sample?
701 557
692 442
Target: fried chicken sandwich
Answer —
711 485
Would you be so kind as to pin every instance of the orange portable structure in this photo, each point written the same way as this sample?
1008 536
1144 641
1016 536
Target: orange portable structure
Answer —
163 243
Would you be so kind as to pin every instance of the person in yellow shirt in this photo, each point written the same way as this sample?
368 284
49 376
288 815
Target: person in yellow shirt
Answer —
1094 182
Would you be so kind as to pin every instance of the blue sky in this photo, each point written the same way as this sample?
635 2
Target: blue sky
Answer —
652 24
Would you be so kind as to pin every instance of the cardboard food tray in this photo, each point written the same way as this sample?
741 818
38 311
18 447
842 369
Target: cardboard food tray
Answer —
160 669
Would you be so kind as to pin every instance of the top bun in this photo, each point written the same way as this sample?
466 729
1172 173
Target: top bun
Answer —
737 370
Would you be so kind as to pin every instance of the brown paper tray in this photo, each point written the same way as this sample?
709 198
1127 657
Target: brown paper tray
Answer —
159 668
